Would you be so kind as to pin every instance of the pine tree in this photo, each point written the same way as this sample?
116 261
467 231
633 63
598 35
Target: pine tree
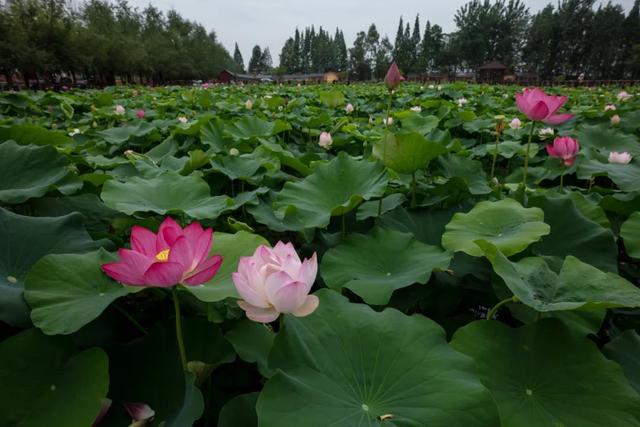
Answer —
415 47
266 63
397 47
255 63
237 58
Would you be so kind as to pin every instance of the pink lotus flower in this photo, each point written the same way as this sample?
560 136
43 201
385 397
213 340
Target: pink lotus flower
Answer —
621 158
515 124
565 148
140 114
325 140
274 281
119 110
615 120
349 108
609 107
393 77
540 107
624 96
173 256
140 412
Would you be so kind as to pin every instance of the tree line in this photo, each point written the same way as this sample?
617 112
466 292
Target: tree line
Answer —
101 40
561 41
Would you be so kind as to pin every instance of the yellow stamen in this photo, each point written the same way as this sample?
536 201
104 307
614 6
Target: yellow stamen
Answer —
163 255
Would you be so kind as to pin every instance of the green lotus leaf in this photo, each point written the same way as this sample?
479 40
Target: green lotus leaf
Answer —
346 364
122 134
24 241
605 140
231 247
252 341
380 262
573 234
164 194
469 171
239 412
43 382
67 291
333 189
625 350
577 286
249 127
29 171
630 233
626 177
505 224
542 375
406 152
34 135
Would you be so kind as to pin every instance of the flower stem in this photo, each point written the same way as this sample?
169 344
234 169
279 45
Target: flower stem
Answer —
495 157
384 154
496 307
526 157
413 189
176 306
562 179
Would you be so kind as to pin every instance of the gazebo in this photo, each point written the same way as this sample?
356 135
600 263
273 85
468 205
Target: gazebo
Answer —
491 72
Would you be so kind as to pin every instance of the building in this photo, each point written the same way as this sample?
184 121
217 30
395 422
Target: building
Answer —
492 72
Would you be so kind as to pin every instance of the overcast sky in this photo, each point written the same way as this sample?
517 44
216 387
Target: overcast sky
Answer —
271 22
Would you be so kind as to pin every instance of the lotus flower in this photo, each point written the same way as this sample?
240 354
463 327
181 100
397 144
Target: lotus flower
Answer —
462 102
173 256
609 107
387 121
140 412
393 77
274 281
248 104
565 148
325 140
621 158
540 107
515 124
119 110
183 119
624 96
545 133
349 108
615 120
74 132
416 109
140 114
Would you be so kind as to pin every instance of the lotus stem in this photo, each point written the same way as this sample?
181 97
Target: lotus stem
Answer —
496 307
180 338
413 189
526 157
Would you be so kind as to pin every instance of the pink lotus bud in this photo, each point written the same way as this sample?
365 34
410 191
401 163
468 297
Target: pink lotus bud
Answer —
205 85
119 110
248 104
609 107
325 140
621 158
183 119
393 77
140 114
140 412
172 256
615 120
274 281
540 107
349 108
624 96
515 124
416 109
565 148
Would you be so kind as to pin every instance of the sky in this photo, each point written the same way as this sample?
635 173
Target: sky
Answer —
269 23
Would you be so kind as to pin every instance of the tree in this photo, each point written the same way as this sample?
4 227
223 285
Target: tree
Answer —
415 47
266 63
359 66
237 58
255 63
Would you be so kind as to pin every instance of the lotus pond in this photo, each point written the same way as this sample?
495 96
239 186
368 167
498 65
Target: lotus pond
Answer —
312 256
